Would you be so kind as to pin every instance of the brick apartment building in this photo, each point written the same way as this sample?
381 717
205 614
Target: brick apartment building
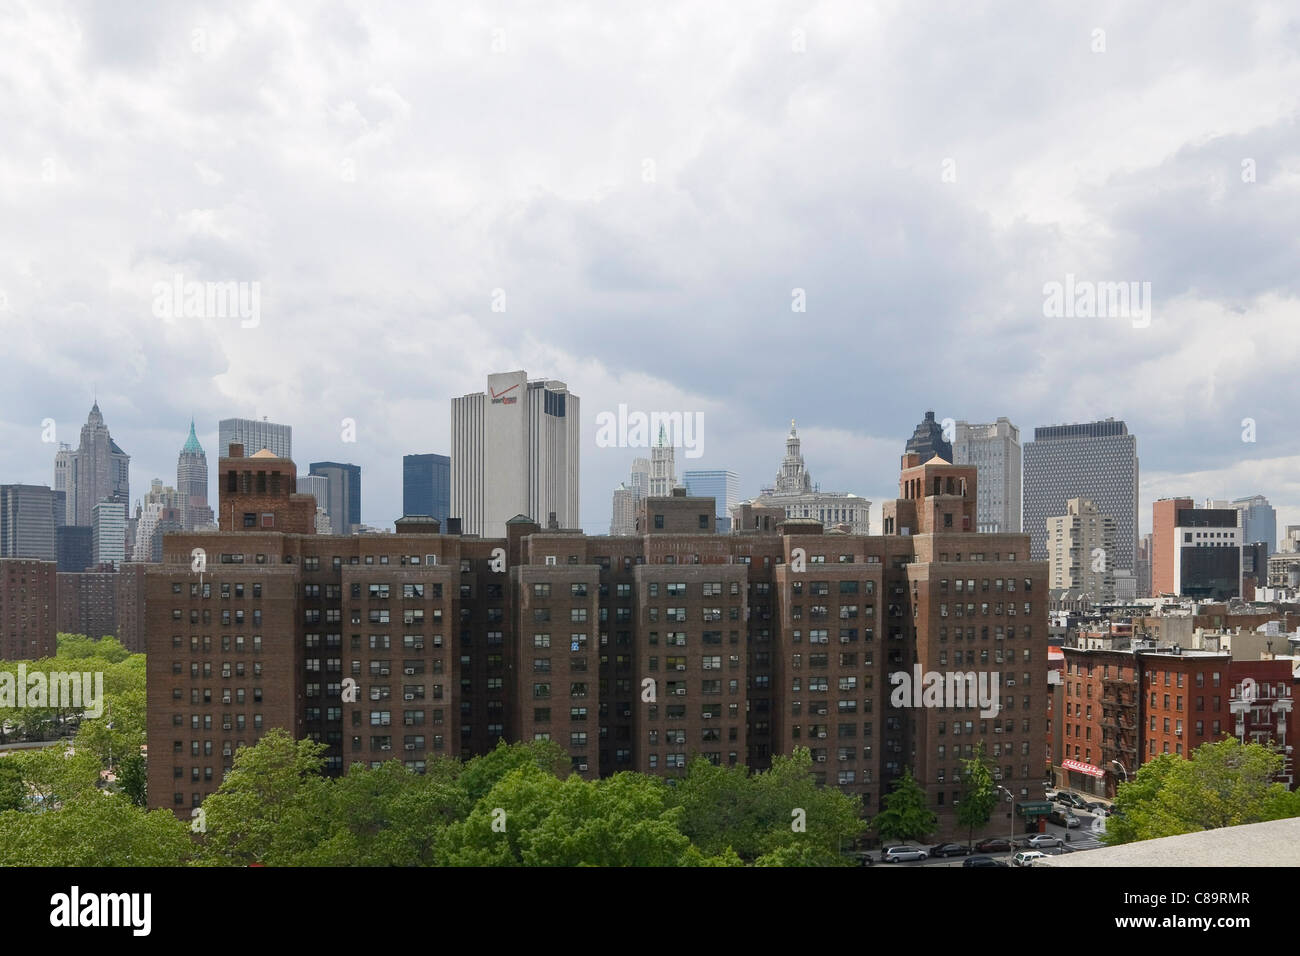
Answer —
28 608
1185 698
634 652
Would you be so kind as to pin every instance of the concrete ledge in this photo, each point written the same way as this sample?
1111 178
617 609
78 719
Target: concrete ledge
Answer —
1276 843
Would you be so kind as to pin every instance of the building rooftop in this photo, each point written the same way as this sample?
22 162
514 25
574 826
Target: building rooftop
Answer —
1275 843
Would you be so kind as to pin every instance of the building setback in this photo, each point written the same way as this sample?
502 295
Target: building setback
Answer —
633 653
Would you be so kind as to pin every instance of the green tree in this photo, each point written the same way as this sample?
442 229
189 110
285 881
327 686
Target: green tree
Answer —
57 774
13 792
94 829
906 815
273 808
1223 784
133 779
980 796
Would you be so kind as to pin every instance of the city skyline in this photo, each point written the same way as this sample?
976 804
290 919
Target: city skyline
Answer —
546 256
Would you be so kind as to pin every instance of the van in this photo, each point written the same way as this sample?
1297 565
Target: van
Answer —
1027 858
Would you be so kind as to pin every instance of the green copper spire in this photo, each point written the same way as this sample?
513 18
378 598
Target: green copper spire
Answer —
192 445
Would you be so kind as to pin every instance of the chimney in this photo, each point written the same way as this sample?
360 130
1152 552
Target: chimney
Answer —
453 526
236 450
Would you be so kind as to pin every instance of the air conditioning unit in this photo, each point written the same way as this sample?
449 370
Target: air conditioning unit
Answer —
410 746
707 715
821 734
408 670
1011 682
408 697
681 692
844 756
681 667
821 758
383 672
386 747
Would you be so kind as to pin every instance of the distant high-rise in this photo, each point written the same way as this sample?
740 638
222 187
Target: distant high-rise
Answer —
795 494
515 450
1258 519
994 450
192 483
721 485
27 522
63 481
343 495
1080 544
1094 460
108 518
663 472
928 441
76 547
318 486
628 497
426 486
254 436
98 469
161 513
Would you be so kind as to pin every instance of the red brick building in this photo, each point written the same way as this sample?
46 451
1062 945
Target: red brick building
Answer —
28 608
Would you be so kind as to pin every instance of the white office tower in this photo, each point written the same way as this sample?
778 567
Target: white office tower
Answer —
514 450
994 450
663 474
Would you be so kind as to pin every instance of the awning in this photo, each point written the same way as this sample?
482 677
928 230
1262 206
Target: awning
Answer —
1080 767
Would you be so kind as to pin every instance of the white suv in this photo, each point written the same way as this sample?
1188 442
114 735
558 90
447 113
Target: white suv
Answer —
1027 857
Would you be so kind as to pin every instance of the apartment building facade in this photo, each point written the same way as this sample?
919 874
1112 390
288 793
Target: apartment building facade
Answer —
633 652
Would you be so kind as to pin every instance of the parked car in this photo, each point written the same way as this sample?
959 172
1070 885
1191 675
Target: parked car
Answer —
1100 809
1027 857
993 846
981 861
948 849
863 859
1076 801
1051 794
1063 818
897 854
1040 841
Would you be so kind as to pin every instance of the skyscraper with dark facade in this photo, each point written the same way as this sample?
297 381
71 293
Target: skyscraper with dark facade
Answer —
928 441
27 522
1093 460
426 486
192 483
343 495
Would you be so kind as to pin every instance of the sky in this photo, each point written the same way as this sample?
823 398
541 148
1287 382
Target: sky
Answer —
638 200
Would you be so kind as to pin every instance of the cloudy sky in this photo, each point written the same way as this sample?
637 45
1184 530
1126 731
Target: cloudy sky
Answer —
644 187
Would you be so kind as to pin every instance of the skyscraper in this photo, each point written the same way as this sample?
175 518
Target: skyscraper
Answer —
343 494
254 436
426 486
27 522
63 481
994 450
108 518
721 485
1093 460
663 471
515 450
192 483
1079 550
162 512
628 497
928 441
98 469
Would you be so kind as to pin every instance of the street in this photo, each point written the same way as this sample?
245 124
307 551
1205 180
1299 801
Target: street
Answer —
1084 837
